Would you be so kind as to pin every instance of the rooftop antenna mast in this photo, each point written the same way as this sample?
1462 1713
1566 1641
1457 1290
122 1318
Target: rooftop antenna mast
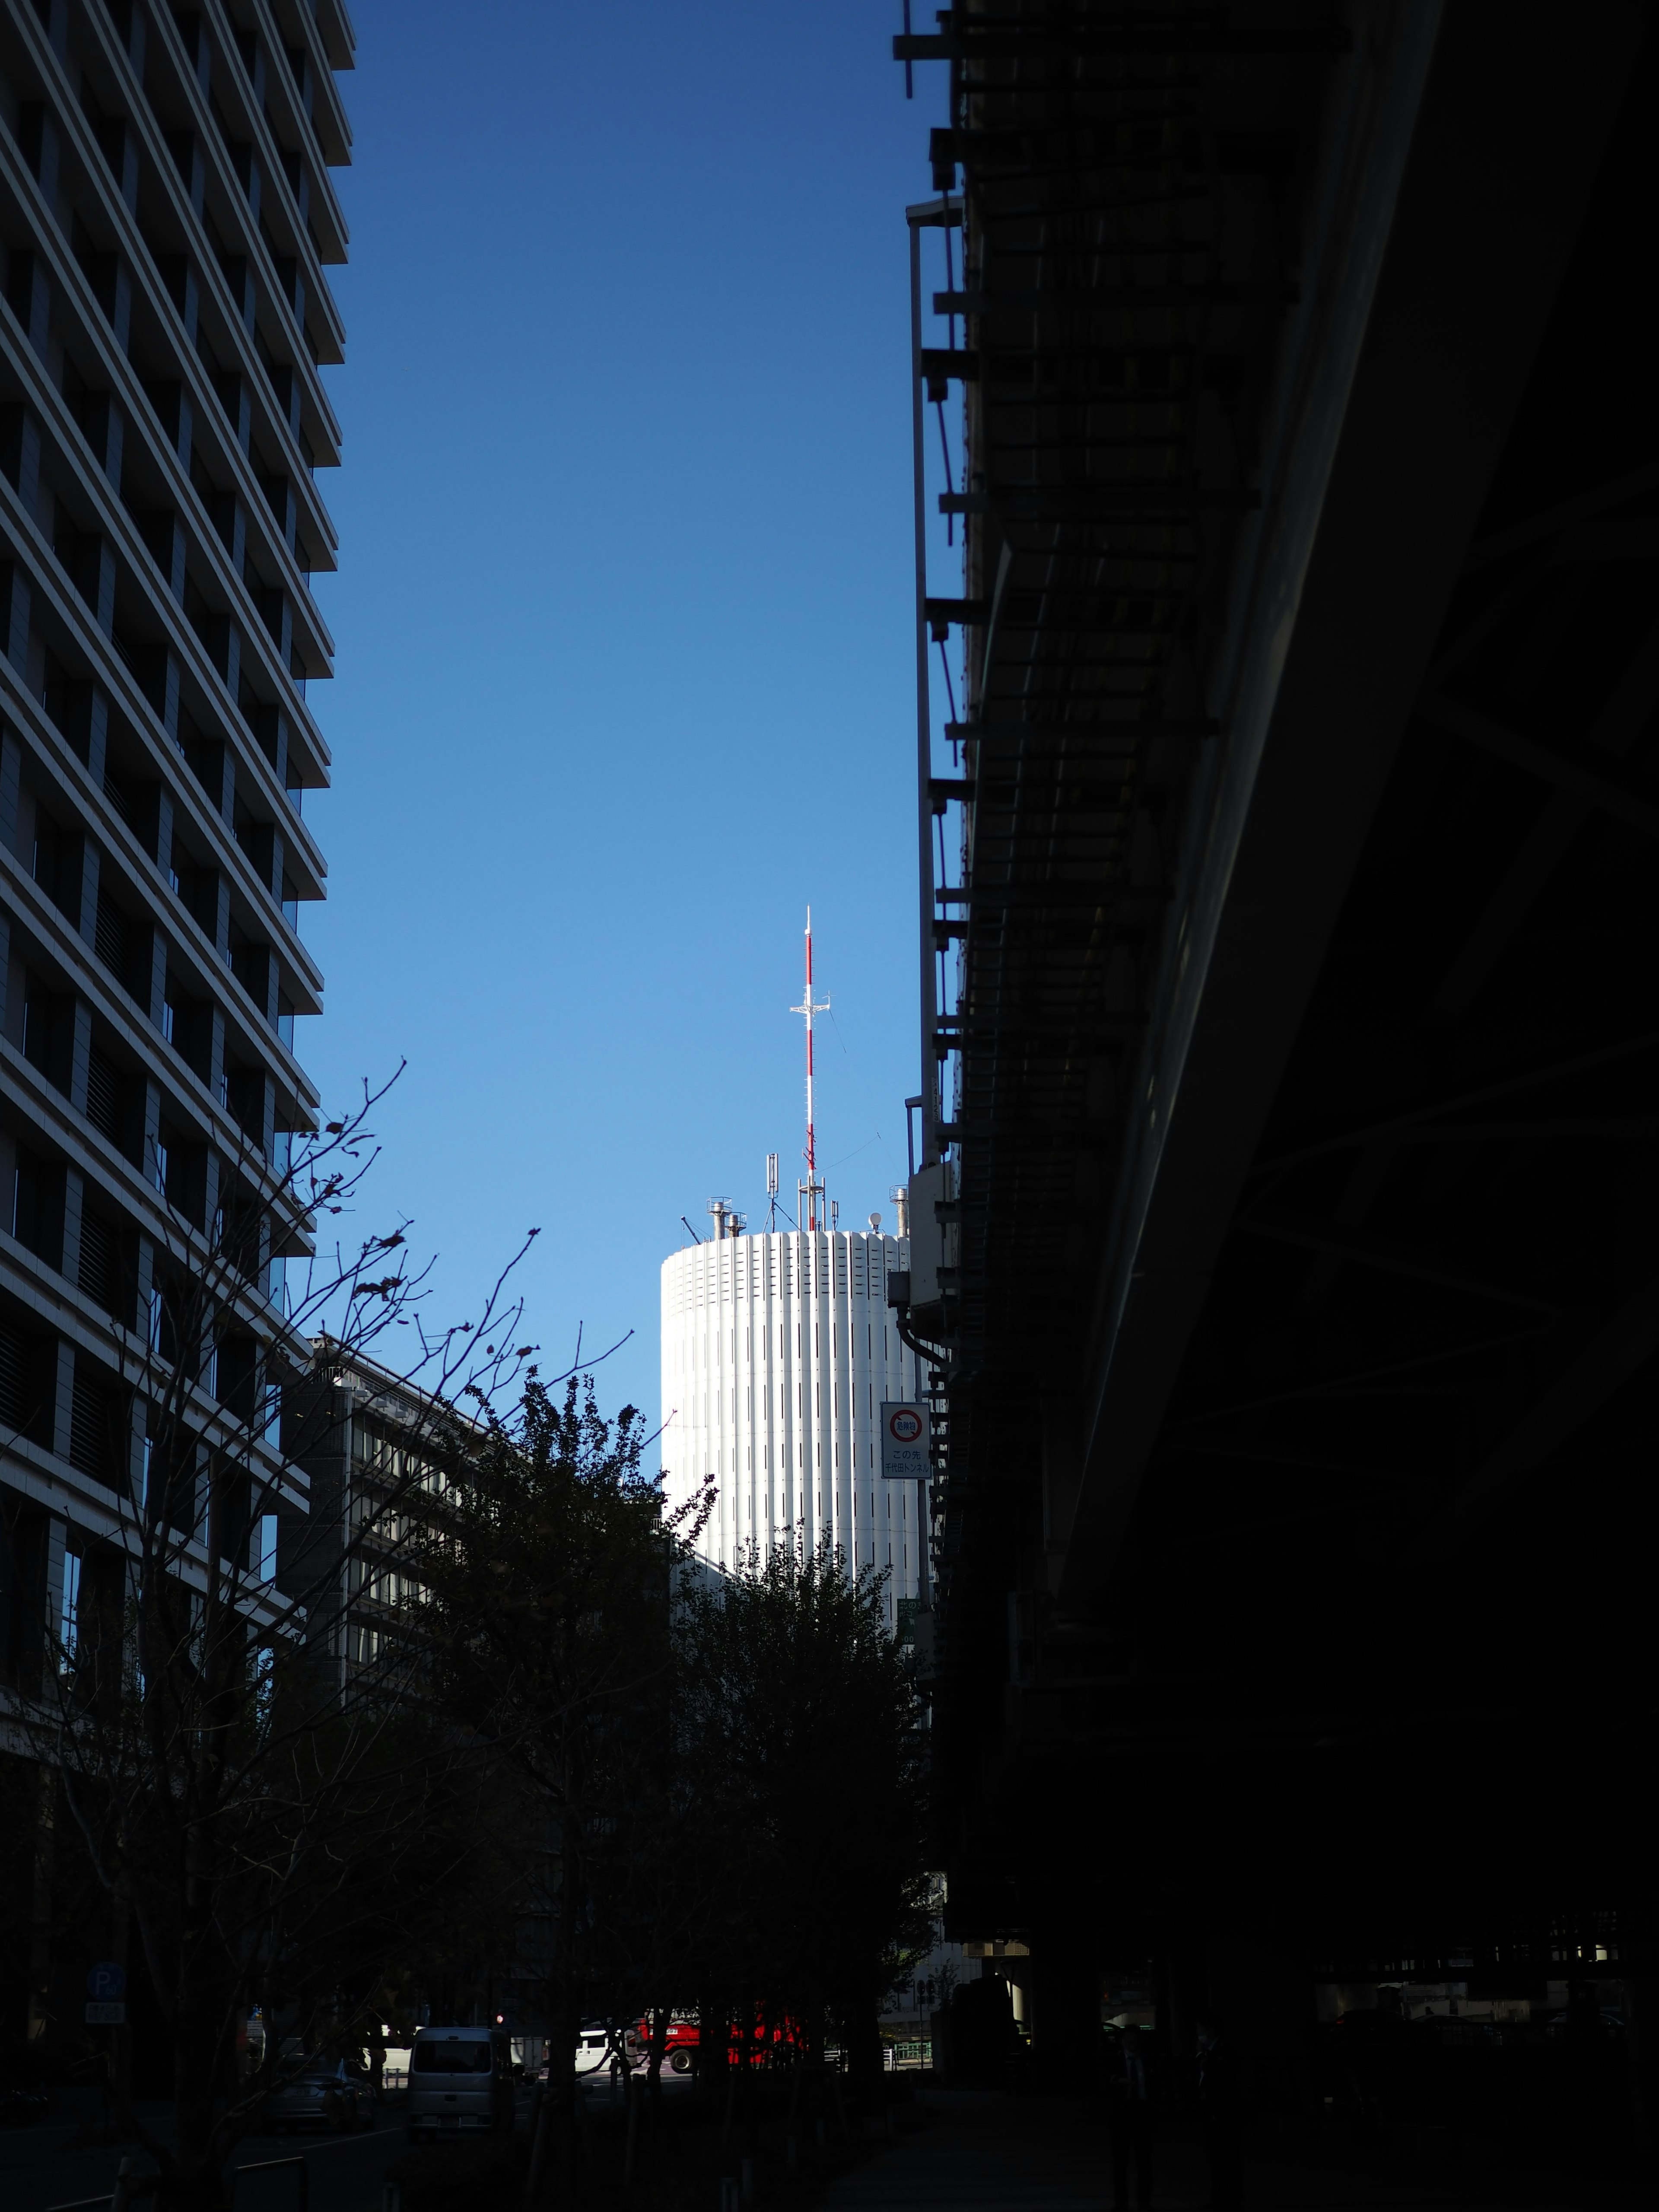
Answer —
813 1214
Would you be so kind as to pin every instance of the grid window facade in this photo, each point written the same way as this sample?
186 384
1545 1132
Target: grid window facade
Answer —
167 215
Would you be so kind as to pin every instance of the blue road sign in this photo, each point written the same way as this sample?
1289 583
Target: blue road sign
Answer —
106 1983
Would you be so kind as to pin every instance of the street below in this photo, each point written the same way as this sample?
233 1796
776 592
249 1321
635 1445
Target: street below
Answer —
56 2163
51 2164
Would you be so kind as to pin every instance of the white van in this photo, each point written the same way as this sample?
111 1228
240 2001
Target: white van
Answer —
460 2079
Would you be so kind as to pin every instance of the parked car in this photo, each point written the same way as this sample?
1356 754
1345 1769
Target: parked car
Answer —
460 2081
599 2048
1609 2021
325 2095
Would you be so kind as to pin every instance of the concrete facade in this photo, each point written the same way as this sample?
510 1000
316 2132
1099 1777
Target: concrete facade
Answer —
777 1352
371 1448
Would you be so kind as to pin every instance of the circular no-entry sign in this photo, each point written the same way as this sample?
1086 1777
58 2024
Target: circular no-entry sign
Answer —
904 1425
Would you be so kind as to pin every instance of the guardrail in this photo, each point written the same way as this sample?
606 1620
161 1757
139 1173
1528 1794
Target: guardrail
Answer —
273 2165
128 2185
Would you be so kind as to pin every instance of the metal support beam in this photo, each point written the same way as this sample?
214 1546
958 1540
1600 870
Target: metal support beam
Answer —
1596 789
1387 1256
1613 734
1081 503
1038 740
1626 1343
1117 299
1157 41
1402 1128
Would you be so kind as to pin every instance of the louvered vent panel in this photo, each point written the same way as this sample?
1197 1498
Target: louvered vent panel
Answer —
99 1272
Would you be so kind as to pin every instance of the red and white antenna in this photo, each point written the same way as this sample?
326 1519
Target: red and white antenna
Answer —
812 1191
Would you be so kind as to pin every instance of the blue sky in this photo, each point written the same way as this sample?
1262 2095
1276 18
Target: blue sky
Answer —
623 620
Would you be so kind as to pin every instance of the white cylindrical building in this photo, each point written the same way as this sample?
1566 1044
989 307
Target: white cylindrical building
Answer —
777 1351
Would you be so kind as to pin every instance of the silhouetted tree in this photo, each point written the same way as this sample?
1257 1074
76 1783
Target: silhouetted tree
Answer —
262 1827
800 1736
543 1601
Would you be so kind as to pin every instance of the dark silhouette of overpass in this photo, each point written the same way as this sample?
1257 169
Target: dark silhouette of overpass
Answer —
1296 1011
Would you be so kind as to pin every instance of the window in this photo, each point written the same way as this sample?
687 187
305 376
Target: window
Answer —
451 2056
69 1621
37 1206
48 1031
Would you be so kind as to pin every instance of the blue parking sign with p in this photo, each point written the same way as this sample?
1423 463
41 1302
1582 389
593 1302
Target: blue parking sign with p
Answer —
106 1982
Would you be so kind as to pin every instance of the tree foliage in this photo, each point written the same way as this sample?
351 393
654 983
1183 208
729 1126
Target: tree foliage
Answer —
800 1738
729 1767
542 1605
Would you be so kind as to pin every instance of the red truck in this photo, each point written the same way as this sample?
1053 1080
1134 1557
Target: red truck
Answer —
767 2042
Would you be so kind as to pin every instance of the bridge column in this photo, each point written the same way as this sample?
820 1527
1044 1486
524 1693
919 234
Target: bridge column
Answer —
1258 1982
1062 1983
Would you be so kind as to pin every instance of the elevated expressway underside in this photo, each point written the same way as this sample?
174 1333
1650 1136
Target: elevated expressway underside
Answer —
1302 1078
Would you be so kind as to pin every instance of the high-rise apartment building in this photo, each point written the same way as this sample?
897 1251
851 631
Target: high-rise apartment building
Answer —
778 1352
166 218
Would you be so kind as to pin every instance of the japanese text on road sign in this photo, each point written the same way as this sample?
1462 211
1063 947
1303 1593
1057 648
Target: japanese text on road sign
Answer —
903 1442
